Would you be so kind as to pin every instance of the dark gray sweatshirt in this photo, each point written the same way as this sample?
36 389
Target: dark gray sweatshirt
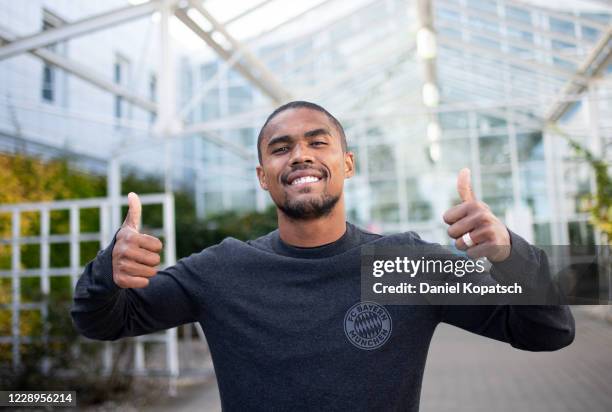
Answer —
285 327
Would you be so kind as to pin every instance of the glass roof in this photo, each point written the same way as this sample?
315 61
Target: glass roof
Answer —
356 56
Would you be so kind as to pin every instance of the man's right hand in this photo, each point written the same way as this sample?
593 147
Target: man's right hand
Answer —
135 255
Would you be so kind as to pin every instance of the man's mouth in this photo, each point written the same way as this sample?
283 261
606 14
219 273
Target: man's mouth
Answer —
304 180
304 177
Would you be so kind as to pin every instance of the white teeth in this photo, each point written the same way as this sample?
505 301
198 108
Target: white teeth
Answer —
305 179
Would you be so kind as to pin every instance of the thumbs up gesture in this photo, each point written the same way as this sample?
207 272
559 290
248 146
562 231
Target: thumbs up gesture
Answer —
135 255
474 227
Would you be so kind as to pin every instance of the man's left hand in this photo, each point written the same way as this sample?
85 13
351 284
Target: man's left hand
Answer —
472 222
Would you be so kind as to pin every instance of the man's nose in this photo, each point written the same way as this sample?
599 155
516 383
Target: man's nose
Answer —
301 154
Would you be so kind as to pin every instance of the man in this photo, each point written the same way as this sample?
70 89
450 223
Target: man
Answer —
283 314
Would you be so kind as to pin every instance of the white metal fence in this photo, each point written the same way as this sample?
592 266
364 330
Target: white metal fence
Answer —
74 238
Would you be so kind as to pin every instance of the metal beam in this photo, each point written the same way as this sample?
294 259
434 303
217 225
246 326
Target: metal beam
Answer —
167 122
30 143
311 33
454 69
597 60
249 119
226 144
77 28
495 18
252 68
246 12
365 62
498 112
365 88
465 64
511 41
209 135
310 57
491 53
289 21
374 43
241 117
68 114
459 64
253 63
85 73
399 89
391 89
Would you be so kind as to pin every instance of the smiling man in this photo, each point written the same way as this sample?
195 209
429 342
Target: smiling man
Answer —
283 314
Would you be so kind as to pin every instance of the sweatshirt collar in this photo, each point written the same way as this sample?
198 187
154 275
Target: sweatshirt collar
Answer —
348 240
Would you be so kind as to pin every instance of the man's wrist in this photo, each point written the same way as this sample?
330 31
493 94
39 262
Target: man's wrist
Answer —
518 258
103 267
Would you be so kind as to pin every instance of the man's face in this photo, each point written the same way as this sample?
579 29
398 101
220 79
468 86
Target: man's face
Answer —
303 165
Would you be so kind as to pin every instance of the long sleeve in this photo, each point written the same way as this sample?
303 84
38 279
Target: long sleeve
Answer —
102 310
534 328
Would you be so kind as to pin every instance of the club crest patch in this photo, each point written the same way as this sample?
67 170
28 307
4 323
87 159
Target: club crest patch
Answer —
367 325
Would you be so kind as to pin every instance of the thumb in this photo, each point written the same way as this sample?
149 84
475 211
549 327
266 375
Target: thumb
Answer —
464 185
134 211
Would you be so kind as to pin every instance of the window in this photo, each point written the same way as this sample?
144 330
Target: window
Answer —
520 34
152 94
444 14
485 5
48 84
518 14
117 79
590 33
49 73
561 26
121 70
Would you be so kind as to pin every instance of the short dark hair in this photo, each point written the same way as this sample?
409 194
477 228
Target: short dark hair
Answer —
301 104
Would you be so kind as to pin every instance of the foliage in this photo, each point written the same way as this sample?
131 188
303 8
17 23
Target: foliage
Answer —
26 179
220 226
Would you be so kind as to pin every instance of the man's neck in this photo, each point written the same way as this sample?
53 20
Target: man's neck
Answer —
313 232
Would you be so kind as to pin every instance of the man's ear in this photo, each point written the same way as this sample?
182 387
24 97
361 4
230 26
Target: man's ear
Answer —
349 165
261 175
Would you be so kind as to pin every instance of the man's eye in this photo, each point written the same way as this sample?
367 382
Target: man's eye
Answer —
280 149
319 143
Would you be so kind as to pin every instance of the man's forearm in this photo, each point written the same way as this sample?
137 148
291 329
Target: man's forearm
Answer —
102 310
538 327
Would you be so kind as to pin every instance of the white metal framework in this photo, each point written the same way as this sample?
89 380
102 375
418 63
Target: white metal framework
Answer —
74 238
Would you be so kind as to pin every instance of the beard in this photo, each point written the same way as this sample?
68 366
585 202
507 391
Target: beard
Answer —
308 209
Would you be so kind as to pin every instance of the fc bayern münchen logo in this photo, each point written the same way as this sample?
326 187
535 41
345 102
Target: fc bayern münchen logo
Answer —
367 325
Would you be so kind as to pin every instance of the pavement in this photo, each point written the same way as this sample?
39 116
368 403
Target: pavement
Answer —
466 372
